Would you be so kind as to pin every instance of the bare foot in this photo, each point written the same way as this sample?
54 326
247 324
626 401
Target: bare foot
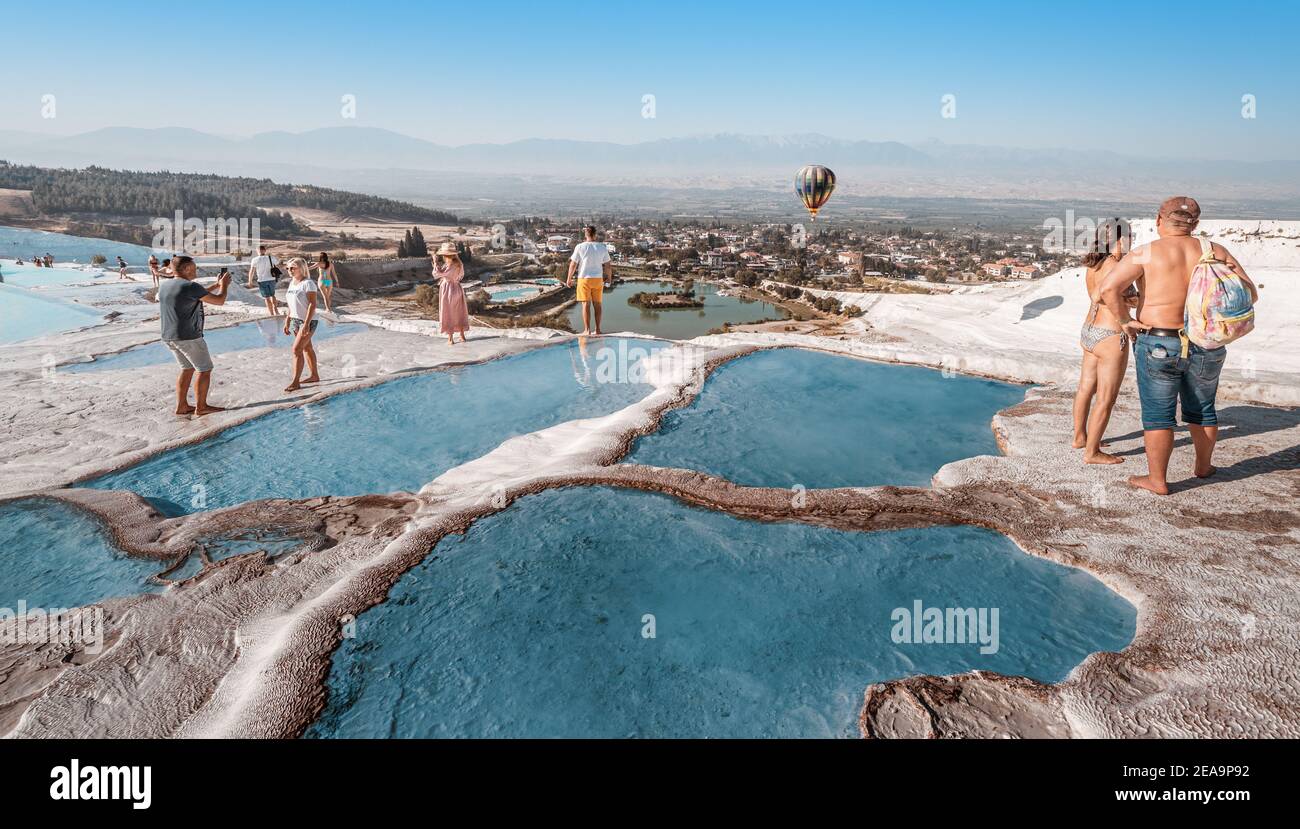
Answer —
1145 482
312 379
1101 457
185 410
293 387
1207 473
1079 442
206 410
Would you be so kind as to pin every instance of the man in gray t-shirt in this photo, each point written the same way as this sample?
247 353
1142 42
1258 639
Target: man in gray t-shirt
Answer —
180 304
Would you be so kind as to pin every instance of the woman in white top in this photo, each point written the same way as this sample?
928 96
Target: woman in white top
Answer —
301 321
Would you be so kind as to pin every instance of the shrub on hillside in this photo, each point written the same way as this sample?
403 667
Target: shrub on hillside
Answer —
478 301
426 296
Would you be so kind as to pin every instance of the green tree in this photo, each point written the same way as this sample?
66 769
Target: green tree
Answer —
416 245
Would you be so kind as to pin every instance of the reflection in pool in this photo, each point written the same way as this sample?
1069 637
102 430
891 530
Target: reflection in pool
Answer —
538 621
679 324
53 555
788 417
265 333
398 435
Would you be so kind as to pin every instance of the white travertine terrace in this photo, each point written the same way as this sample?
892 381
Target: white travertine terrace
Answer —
244 648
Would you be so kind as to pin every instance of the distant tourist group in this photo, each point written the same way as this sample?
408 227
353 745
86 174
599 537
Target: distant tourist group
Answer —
181 302
1192 298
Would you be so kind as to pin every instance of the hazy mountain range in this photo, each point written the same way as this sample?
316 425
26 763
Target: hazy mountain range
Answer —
342 156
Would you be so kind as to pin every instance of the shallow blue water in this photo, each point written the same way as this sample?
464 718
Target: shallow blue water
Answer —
398 435
26 314
53 555
32 277
789 417
271 542
532 623
18 242
258 334
508 293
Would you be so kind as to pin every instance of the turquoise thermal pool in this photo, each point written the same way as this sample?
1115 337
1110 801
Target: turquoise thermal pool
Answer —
595 612
787 417
23 243
398 435
510 292
25 314
53 555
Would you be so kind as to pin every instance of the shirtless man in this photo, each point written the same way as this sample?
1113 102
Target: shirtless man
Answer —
1162 270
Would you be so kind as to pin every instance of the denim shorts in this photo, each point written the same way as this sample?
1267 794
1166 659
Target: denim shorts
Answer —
1164 378
295 325
266 288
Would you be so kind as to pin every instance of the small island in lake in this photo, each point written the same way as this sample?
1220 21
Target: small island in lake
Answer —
667 300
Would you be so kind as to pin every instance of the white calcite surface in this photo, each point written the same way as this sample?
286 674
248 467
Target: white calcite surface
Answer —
1029 331
243 649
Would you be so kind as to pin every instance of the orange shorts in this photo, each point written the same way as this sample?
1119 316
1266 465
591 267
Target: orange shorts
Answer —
590 289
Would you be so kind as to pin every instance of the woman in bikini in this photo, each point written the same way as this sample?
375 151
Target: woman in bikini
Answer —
1105 349
328 278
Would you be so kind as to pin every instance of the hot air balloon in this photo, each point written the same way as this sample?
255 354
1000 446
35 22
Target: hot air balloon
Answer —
814 184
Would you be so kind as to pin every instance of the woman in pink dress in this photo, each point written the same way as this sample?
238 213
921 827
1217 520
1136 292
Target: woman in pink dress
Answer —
453 313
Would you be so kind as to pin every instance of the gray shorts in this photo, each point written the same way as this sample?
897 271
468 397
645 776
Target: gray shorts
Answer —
191 354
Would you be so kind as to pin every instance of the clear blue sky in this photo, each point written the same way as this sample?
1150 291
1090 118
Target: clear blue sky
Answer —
1137 78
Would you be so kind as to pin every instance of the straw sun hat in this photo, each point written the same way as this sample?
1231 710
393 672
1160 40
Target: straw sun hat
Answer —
448 249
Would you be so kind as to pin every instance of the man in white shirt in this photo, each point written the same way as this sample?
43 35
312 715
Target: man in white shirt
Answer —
260 269
591 265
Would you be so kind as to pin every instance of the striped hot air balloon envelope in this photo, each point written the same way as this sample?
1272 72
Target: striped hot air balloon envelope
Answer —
814 184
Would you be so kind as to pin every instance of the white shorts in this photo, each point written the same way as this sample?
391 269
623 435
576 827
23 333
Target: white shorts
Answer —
191 354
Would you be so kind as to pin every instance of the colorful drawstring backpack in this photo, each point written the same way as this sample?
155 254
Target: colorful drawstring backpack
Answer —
1219 308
